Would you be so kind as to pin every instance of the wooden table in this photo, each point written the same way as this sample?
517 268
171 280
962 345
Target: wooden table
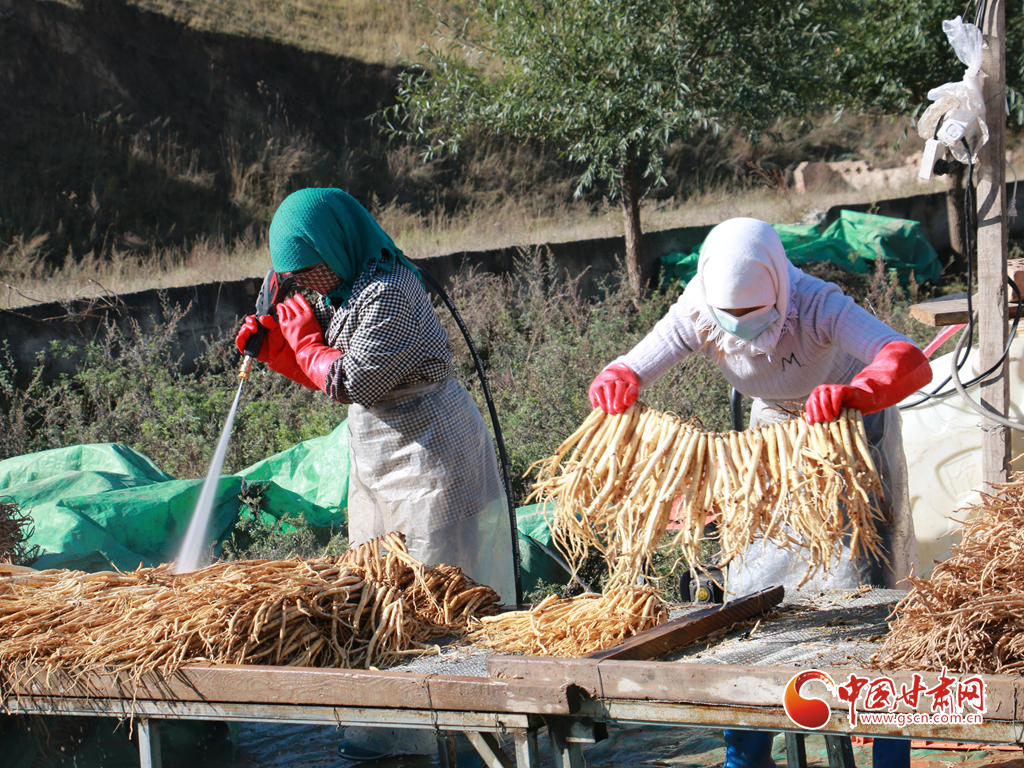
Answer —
574 699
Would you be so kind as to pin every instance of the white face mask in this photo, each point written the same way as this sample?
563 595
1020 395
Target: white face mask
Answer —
751 325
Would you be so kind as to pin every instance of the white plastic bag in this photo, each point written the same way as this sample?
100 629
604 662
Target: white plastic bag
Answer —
961 104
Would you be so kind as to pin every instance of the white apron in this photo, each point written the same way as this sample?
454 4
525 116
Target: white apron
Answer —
423 463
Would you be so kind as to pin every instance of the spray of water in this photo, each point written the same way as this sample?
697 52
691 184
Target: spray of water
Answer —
195 538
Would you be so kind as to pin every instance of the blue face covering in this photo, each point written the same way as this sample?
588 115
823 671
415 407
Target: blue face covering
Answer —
751 325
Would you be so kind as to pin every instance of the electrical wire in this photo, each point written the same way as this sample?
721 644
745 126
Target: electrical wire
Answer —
969 225
936 394
980 12
498 438
985 411
962 350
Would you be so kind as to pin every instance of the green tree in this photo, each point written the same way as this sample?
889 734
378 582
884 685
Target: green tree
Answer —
612 82
892 52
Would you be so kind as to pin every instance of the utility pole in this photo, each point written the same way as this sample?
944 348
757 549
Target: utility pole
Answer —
992 278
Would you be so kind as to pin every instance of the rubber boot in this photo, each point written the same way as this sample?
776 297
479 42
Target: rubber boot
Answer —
748 749
890 753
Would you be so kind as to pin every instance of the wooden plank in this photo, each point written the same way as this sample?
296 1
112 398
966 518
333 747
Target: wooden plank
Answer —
544 669
489 749
944 312
992 244
679 632
527 749
732 684
1015 274
322 687
762 686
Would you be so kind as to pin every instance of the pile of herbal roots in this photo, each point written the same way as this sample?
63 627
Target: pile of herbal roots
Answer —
968 616
616 481
365 609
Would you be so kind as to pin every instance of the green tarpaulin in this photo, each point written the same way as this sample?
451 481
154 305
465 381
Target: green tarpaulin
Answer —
854 242
97 506
540 562
94 506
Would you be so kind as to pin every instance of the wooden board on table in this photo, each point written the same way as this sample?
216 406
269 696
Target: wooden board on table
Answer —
733 685
952 310
684 630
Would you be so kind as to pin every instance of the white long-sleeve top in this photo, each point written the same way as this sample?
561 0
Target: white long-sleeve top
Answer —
827 339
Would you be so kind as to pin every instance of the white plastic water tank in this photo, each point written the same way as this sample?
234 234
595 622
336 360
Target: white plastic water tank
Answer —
942 440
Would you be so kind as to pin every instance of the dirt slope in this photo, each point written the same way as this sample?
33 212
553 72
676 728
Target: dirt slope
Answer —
120 120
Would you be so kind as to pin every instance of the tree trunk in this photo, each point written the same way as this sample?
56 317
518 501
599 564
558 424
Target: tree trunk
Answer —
636 264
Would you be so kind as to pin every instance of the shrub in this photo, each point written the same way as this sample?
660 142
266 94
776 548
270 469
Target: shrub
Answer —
130 388
260 536
542 342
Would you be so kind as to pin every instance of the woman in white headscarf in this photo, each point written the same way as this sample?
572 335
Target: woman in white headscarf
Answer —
786 339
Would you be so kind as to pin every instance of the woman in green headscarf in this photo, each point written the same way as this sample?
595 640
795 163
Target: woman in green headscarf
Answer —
422 460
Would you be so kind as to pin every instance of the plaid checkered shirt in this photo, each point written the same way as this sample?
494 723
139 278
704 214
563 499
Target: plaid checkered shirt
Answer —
390 335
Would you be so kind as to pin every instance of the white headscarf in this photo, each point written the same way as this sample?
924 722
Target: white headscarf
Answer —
742 264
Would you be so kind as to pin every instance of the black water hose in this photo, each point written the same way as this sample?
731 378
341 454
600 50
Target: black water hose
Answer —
502 455
736 408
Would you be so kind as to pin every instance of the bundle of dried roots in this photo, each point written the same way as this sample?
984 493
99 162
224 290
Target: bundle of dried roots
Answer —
366 608
969 615
626 475
574 626
788 483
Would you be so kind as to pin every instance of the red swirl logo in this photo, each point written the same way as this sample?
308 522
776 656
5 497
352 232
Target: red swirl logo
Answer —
808 712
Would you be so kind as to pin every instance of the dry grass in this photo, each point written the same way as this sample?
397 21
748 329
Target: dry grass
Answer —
31 280
501 198
369 30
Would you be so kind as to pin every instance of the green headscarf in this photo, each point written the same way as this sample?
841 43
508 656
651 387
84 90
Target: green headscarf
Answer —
328 225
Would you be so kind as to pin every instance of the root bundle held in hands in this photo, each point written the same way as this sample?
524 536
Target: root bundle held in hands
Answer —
616 481
968 616
367 608
788 483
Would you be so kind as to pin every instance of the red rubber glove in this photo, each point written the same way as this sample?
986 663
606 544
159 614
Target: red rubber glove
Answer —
275 351
614 389
303 333
898 370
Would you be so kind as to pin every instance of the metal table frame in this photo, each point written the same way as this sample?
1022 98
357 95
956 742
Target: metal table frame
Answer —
573 698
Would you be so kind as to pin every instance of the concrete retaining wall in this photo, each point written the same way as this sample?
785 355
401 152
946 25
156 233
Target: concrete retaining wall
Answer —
213 308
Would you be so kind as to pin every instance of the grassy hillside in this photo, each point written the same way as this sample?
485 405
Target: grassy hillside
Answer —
374 31
148 142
